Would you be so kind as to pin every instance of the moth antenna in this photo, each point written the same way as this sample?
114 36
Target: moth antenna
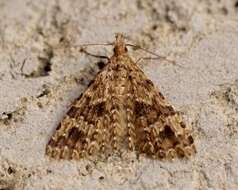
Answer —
85 45
94 44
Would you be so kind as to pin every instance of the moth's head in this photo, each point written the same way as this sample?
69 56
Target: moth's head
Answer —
120 46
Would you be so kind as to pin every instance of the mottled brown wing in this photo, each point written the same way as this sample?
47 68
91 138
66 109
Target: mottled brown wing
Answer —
83 131
155 128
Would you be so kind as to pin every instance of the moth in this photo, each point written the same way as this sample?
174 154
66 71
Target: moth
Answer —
121 110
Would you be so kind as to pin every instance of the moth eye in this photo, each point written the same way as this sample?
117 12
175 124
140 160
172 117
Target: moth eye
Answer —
114 50
126 49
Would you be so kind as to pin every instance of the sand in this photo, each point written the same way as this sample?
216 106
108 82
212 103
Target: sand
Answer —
41 73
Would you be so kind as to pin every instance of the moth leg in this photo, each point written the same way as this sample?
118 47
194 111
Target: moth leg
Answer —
155 58
94 55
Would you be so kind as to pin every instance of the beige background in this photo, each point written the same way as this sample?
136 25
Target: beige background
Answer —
200 35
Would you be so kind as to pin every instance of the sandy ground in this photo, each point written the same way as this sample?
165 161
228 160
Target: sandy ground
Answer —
41 74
